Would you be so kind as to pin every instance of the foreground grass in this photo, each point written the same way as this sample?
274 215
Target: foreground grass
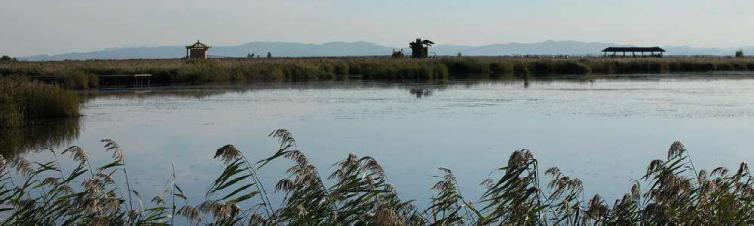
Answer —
84 74
23 101
672 192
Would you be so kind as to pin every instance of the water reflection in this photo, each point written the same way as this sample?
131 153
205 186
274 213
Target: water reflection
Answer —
587 127
183 92
416 89
419 89
39 135
419 93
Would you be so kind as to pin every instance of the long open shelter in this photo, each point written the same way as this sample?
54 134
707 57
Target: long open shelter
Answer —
642 51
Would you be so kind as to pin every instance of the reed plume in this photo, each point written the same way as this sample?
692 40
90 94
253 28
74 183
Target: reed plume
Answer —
358 192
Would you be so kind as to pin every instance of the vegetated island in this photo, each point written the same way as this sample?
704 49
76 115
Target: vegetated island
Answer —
94 73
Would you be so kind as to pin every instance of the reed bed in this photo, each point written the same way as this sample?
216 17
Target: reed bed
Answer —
22 101
671 192
84 74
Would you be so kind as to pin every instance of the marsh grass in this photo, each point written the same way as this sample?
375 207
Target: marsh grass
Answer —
23 101
671 192
83 74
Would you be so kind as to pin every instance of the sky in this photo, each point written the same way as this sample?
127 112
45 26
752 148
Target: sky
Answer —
32 27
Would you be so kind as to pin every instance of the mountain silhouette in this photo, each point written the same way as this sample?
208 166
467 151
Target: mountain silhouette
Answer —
334 49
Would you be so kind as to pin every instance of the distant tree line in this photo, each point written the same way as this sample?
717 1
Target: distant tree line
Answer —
253 55
7 58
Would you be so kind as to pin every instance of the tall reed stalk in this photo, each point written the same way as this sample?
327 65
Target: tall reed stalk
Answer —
357 192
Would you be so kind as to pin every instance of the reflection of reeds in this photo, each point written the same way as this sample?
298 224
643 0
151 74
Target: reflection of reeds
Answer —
43 134
357 193
81 74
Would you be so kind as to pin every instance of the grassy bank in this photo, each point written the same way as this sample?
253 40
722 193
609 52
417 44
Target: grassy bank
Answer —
23 101
84 74
672 192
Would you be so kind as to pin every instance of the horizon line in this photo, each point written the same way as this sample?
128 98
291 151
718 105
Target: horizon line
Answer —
375 43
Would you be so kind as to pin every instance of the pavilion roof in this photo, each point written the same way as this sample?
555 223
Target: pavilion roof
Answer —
633 49
198 45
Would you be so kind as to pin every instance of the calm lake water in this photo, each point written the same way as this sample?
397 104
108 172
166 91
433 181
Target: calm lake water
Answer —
603 131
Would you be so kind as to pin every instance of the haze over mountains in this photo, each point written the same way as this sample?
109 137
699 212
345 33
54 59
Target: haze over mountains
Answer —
292 49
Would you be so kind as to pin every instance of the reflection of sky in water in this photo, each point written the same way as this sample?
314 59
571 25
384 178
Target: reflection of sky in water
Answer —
604 132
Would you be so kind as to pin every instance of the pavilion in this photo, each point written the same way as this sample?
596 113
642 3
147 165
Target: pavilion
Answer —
197 51
653 51
420 48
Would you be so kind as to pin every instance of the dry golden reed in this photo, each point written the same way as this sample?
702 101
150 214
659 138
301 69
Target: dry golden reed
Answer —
671 192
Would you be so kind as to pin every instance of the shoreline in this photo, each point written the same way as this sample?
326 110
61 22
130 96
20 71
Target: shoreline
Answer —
169 72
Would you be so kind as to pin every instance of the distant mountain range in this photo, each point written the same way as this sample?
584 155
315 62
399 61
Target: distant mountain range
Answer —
292 49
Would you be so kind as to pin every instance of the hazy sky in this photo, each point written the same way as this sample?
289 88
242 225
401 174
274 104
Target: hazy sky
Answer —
32 27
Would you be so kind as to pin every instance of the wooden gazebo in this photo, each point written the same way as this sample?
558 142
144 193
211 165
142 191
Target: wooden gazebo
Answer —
197 51
420 48
653 51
